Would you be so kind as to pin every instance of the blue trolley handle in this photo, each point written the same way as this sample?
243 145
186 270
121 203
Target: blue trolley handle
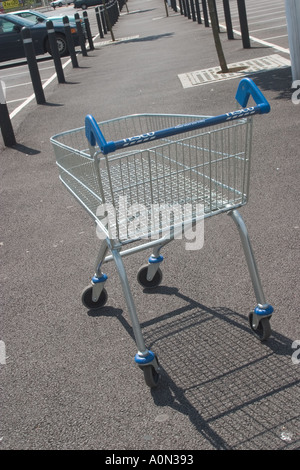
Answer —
246 88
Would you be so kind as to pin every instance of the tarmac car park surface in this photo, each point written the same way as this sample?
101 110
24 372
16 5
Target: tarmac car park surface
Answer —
69 378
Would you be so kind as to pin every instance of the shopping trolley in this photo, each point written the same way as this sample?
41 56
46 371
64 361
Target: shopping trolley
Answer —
171 162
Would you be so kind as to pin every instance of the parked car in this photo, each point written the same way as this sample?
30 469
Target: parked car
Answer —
11 44
60 3
36 17
84 4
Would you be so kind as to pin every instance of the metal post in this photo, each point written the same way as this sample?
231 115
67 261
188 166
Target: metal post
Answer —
54 52
5 122
116 11
108 21
198 12
32 65
98 18
101 9
205 13
88 30
188 10
193 10
181 7
244 24
228 19
70 41
80 34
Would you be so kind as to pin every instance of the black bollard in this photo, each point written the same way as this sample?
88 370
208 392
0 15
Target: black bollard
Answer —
54 52
193 10
80 34
32 65
198 12
244 24
205 13
107 19
70 42
98 18
181 7
188 10
228 19
5 122
88 30
103 20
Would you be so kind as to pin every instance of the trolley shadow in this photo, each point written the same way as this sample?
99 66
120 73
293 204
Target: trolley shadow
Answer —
233 389
277 80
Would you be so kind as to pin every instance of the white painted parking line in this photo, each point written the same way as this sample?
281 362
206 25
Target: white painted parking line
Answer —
266 29
261 41
15 101
32 97
269 21
22 84
266 22
276 37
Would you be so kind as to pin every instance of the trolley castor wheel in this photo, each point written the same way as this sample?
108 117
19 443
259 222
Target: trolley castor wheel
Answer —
151 376
87 300
263 330
150 367
143 281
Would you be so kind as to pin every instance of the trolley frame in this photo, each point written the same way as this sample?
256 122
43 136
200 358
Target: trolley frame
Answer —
80 167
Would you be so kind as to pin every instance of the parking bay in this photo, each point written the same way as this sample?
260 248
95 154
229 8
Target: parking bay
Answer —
15 75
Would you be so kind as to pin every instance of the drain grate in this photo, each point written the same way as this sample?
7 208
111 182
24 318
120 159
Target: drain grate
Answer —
261 64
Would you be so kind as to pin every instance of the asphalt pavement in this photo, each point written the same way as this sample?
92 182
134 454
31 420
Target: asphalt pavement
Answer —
68 376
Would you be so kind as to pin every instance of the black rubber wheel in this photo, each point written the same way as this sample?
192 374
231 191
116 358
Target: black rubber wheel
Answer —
143 281
61 44
263 331
87 300
151 376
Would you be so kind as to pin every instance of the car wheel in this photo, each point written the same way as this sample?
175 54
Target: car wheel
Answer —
61 44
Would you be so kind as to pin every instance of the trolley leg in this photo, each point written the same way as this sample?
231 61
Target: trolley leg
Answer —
150 275
263 309
153 264
99 278
95 295
144 357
